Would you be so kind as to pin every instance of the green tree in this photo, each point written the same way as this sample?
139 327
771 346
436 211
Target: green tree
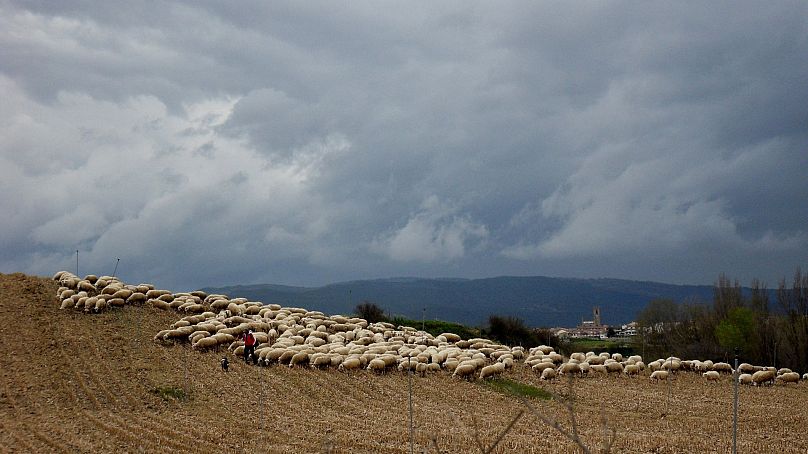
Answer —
737 330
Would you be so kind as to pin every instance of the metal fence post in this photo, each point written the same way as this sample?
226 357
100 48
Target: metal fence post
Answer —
735 406
409 380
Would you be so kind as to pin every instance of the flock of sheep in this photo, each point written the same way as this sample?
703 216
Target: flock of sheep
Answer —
549 364
295 336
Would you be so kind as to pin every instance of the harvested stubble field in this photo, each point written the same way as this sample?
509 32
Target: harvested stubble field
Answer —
98 383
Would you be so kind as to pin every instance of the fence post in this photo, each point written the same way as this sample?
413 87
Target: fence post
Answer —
735 406
409 380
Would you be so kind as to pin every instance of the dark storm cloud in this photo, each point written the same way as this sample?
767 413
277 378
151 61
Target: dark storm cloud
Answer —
308 142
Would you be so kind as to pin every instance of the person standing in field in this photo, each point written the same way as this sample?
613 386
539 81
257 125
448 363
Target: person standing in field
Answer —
249 347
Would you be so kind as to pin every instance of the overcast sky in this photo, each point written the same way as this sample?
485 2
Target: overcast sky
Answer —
208 143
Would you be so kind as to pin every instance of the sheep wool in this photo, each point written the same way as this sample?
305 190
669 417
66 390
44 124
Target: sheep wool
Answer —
763 376
712 375
788 377
492 370
659 375
548 374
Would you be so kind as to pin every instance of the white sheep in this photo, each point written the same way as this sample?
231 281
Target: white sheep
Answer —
464 370
659 375
598 368
788 377
540 367
377 364
762 377
351 363
578 356
722 368
568 368
614 367
631 369
548 374
712 375
492 370
745 379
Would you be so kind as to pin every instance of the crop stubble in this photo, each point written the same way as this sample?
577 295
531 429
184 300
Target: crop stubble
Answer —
84 383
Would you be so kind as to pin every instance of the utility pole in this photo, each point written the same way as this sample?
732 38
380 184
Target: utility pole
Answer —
77 262
423 318
116 267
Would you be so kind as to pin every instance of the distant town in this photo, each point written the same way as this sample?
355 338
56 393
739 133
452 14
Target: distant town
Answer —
595 329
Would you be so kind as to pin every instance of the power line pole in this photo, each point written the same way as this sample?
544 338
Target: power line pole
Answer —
423 319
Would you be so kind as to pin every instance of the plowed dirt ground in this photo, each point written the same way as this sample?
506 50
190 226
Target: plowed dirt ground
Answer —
71 382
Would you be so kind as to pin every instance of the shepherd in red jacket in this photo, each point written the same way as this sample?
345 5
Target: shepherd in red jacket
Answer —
249 347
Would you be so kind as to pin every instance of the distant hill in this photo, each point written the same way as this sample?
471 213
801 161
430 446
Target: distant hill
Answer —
539 301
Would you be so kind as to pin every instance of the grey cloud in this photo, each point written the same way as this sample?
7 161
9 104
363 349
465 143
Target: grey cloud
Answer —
307 142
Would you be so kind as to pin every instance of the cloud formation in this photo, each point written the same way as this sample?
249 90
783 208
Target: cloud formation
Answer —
305 143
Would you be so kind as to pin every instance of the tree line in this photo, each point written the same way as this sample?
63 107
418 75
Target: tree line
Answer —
764 332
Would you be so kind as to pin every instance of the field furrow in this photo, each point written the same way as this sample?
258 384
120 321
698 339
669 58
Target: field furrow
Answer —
98 383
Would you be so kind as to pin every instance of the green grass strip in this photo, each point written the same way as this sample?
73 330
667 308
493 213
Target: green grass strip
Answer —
515 388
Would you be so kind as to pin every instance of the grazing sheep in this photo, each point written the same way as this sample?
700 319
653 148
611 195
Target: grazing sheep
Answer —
631 369
745 379
548 374
659 375
595 360
205 343
722 368
746 368
159 304
320 360
672 364
299 358
540 367
464 370
788 377
762 377
805 376
350 363
614 367
492 370
599 368
100 305
634 359
783 370
137 297
377 365
712 375
578 356
568 368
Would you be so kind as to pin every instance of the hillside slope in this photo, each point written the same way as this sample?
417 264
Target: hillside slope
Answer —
71 382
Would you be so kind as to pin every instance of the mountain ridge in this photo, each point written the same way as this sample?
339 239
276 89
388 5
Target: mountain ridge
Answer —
538 300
